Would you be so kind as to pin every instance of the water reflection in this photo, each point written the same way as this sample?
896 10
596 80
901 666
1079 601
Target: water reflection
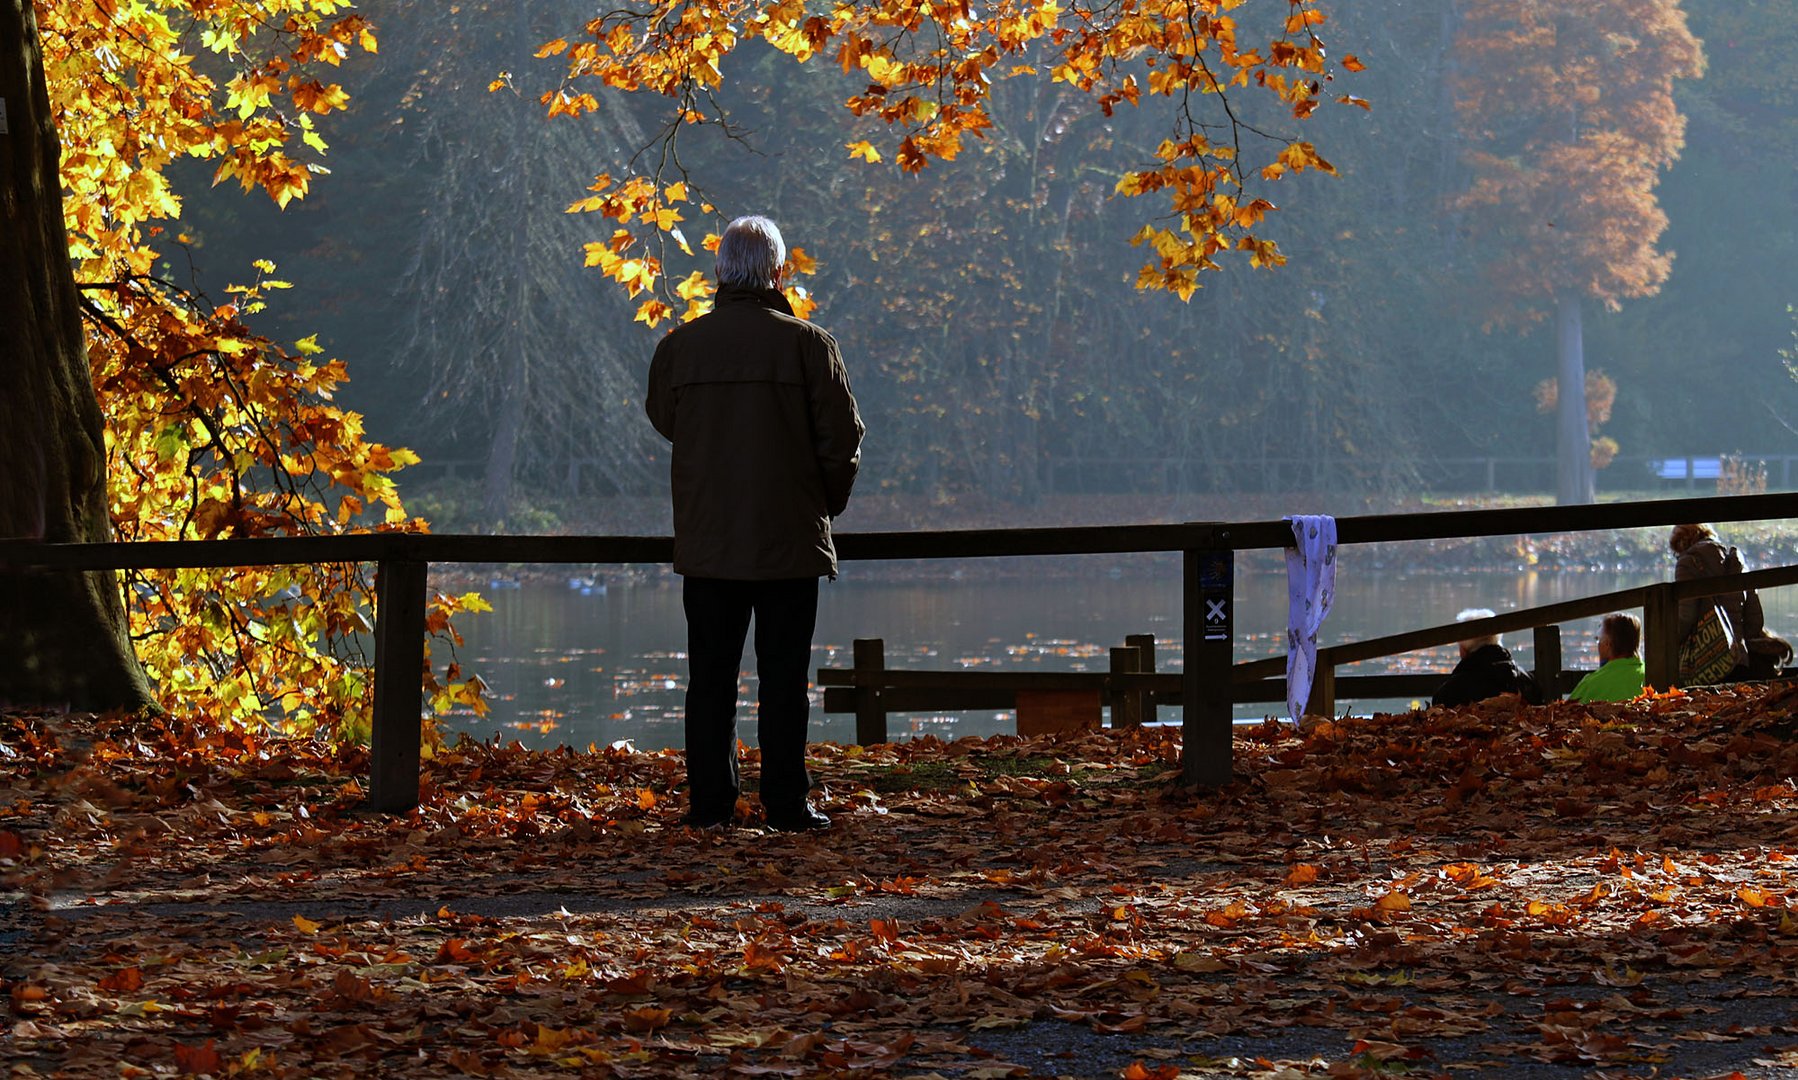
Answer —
607 662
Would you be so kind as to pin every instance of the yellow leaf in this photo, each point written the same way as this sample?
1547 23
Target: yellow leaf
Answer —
307 926
653 312
800 301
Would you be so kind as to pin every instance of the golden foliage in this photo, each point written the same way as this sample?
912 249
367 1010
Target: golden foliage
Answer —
930 68
212 430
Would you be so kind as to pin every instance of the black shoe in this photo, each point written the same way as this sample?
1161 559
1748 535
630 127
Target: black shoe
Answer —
709 822
800 819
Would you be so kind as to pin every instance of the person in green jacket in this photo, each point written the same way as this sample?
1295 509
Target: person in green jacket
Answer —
1619 647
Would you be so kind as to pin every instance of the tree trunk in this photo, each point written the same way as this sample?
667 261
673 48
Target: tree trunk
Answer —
63 636
1574 482
502 452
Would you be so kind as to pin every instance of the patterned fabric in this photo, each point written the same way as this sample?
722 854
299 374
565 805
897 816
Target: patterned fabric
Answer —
1705 656
1310 589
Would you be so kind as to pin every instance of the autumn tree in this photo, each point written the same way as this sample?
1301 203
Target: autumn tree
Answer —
65 633
1569 115
210 430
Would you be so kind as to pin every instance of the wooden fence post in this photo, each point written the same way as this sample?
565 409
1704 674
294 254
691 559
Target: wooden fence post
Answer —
870 712
1322 699
1126 704
1144 644
1547 640
1660 638
399 672
1206 690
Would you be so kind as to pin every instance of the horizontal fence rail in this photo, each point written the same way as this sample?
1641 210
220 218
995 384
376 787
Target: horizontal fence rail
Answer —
1207 548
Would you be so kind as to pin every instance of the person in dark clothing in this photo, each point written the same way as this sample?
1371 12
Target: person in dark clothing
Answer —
767 441
1700 554
1486 670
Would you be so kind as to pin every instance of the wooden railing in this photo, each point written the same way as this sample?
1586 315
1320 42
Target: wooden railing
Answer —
1206 683
1133 690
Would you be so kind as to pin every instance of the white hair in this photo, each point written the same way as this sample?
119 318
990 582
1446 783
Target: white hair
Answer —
1472 613
750 253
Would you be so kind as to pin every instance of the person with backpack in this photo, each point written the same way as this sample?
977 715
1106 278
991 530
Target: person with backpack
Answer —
1731 622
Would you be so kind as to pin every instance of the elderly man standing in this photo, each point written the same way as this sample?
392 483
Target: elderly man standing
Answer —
767 440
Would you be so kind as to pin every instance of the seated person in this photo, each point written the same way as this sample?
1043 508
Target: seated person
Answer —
1699 554
1486 670
1619 648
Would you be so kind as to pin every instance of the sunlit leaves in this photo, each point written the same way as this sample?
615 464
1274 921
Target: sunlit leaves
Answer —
928 72
212 430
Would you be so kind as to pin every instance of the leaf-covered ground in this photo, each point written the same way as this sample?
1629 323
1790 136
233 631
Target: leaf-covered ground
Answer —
1550 892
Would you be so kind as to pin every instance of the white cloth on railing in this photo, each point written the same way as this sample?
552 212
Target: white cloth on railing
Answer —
1310 589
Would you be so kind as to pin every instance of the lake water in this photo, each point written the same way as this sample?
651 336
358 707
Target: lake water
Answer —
594 660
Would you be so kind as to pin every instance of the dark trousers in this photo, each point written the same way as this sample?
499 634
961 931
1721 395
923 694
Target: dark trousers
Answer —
718 614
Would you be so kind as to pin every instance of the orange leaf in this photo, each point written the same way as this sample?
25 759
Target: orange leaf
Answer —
647 1018
198 1059
124 980
1302 874
759 957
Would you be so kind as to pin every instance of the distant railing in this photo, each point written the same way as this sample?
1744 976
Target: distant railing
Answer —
1206 683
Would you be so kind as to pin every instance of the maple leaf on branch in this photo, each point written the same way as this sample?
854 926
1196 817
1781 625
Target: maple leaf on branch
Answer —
929 73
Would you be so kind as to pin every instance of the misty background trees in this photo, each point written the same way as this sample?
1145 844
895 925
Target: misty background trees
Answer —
987 307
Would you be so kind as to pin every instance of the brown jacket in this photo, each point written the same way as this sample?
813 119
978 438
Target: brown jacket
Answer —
1708 558
766 439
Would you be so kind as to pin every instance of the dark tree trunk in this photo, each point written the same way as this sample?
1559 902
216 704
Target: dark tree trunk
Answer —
502 451
63 638
1574 481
